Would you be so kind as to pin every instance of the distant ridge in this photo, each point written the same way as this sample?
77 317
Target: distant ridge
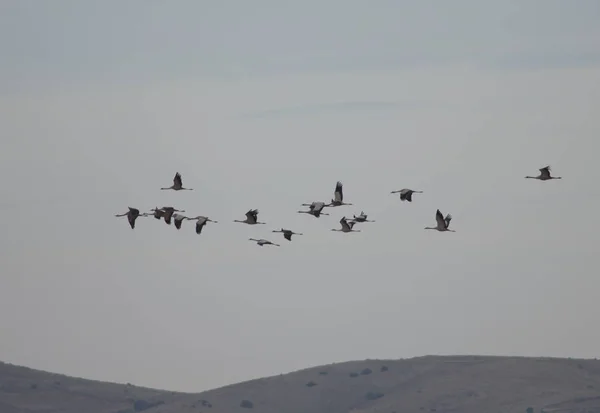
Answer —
462 383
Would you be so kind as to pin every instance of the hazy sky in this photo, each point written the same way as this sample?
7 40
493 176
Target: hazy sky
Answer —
266 104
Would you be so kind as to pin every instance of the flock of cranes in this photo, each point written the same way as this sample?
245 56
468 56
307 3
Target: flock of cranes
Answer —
170 214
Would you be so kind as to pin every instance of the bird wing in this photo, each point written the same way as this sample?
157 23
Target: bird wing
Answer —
440 219
339 193
317 206
545 171
167 216
199 225
131 218
404 191
288 235
178 220
134 211
345 223
250 214
447 220
177 180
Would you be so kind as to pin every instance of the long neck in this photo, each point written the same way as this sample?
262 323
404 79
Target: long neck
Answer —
165 188
430 227
236 220
532 177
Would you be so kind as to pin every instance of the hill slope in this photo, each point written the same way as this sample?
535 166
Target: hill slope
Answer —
465 384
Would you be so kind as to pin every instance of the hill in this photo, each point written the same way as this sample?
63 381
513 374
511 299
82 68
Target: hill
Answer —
465 384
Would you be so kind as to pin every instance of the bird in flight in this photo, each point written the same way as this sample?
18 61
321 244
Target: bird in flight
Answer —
338 196
251 218
544 174
178 184
346 226
406 194
167 213
361 218
201 222
262 242
314 209
132 215
442 223
287 234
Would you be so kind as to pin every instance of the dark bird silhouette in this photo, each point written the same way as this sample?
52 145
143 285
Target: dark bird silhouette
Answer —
406 194
287 234
442 223
177 184
251 218
544 174
132 215
338 196
361 218
201 222
262 242
315 209
346 226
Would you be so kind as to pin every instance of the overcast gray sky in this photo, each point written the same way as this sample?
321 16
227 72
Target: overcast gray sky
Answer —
266 104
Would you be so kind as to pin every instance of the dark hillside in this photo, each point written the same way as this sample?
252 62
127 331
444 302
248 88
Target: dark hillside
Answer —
465 384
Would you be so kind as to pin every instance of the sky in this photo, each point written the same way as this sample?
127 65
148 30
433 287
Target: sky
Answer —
266 104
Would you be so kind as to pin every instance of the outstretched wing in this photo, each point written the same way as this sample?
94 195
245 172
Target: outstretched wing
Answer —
339 193
440 219
317 206
134 211
131 218
344 223
158 213
287 235
199 225
178 220
447 220
168 215
177 180
545 171
406 195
